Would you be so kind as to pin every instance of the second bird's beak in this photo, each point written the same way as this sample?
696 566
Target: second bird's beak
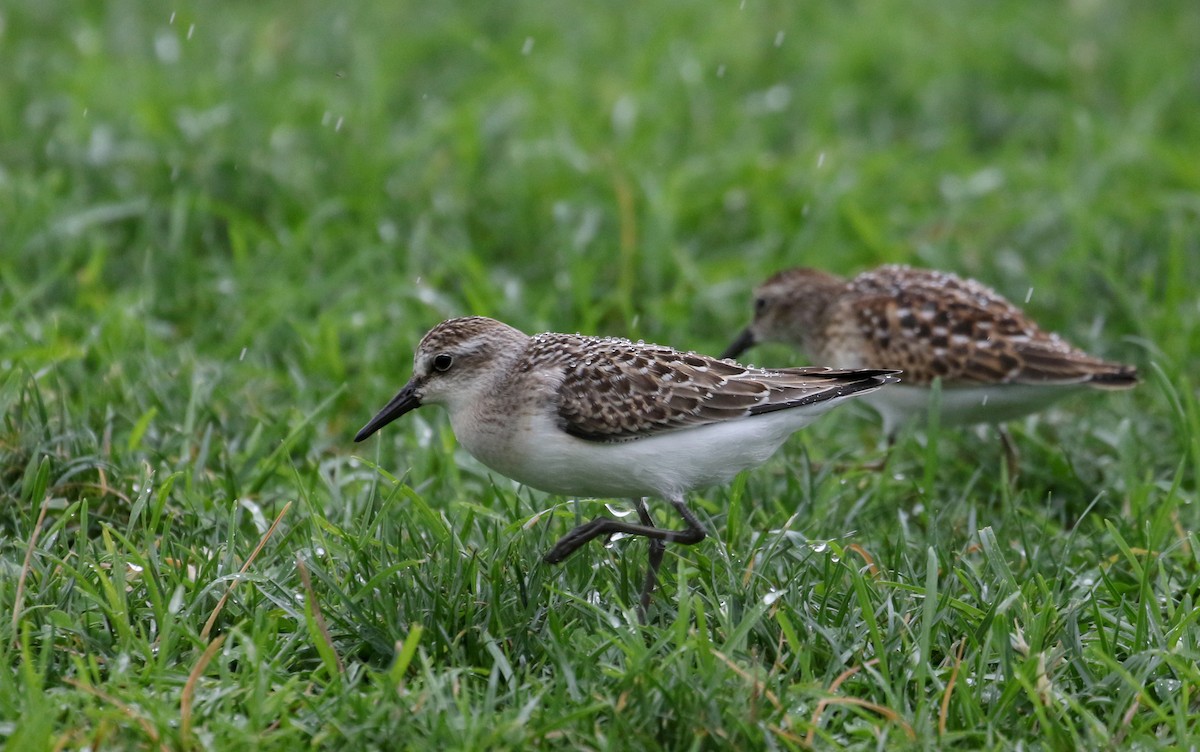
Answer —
406 400
744 342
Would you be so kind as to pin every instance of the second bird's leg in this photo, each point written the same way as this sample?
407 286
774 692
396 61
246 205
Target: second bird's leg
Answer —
657 547
878 466
1012 457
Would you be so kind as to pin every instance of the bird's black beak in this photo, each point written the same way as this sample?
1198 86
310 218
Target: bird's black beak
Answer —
744 342
403 402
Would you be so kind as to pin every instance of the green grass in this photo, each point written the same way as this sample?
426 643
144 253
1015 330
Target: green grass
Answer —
223 228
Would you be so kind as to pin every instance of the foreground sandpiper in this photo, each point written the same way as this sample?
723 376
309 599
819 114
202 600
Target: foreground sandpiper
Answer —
994 363
603 417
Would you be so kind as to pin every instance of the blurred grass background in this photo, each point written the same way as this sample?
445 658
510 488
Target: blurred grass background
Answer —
224 226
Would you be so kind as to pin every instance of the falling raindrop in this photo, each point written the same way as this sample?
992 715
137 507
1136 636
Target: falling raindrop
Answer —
777 98
166 47
624 114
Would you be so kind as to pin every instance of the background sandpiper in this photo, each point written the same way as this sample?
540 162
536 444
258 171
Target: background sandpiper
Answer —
994 363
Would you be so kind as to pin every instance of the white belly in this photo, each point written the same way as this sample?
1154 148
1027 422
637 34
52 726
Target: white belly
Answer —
961 405
538 454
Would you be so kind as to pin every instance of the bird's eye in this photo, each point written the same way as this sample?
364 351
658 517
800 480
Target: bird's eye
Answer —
760 305
442 362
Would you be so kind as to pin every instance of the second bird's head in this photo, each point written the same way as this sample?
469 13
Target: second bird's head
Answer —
787 308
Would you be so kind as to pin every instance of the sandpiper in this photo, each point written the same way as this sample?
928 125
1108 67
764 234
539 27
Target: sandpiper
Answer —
604 417
994 363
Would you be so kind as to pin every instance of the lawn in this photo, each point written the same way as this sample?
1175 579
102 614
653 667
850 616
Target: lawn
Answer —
225 226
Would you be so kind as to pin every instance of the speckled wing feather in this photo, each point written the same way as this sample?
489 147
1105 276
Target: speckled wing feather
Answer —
614 390
930 325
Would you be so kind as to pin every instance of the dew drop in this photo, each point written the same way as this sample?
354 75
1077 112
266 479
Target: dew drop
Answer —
1166 687
618 511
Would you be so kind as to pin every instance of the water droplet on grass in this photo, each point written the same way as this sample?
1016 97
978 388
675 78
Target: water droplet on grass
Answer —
773 596
1165 687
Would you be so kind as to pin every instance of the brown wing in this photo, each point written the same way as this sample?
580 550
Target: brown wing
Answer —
1052 360
616 390
936 325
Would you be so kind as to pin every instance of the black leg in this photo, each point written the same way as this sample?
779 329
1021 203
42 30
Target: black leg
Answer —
659 538
657 547
606 526
874 466
694 525
879 465
1012 458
